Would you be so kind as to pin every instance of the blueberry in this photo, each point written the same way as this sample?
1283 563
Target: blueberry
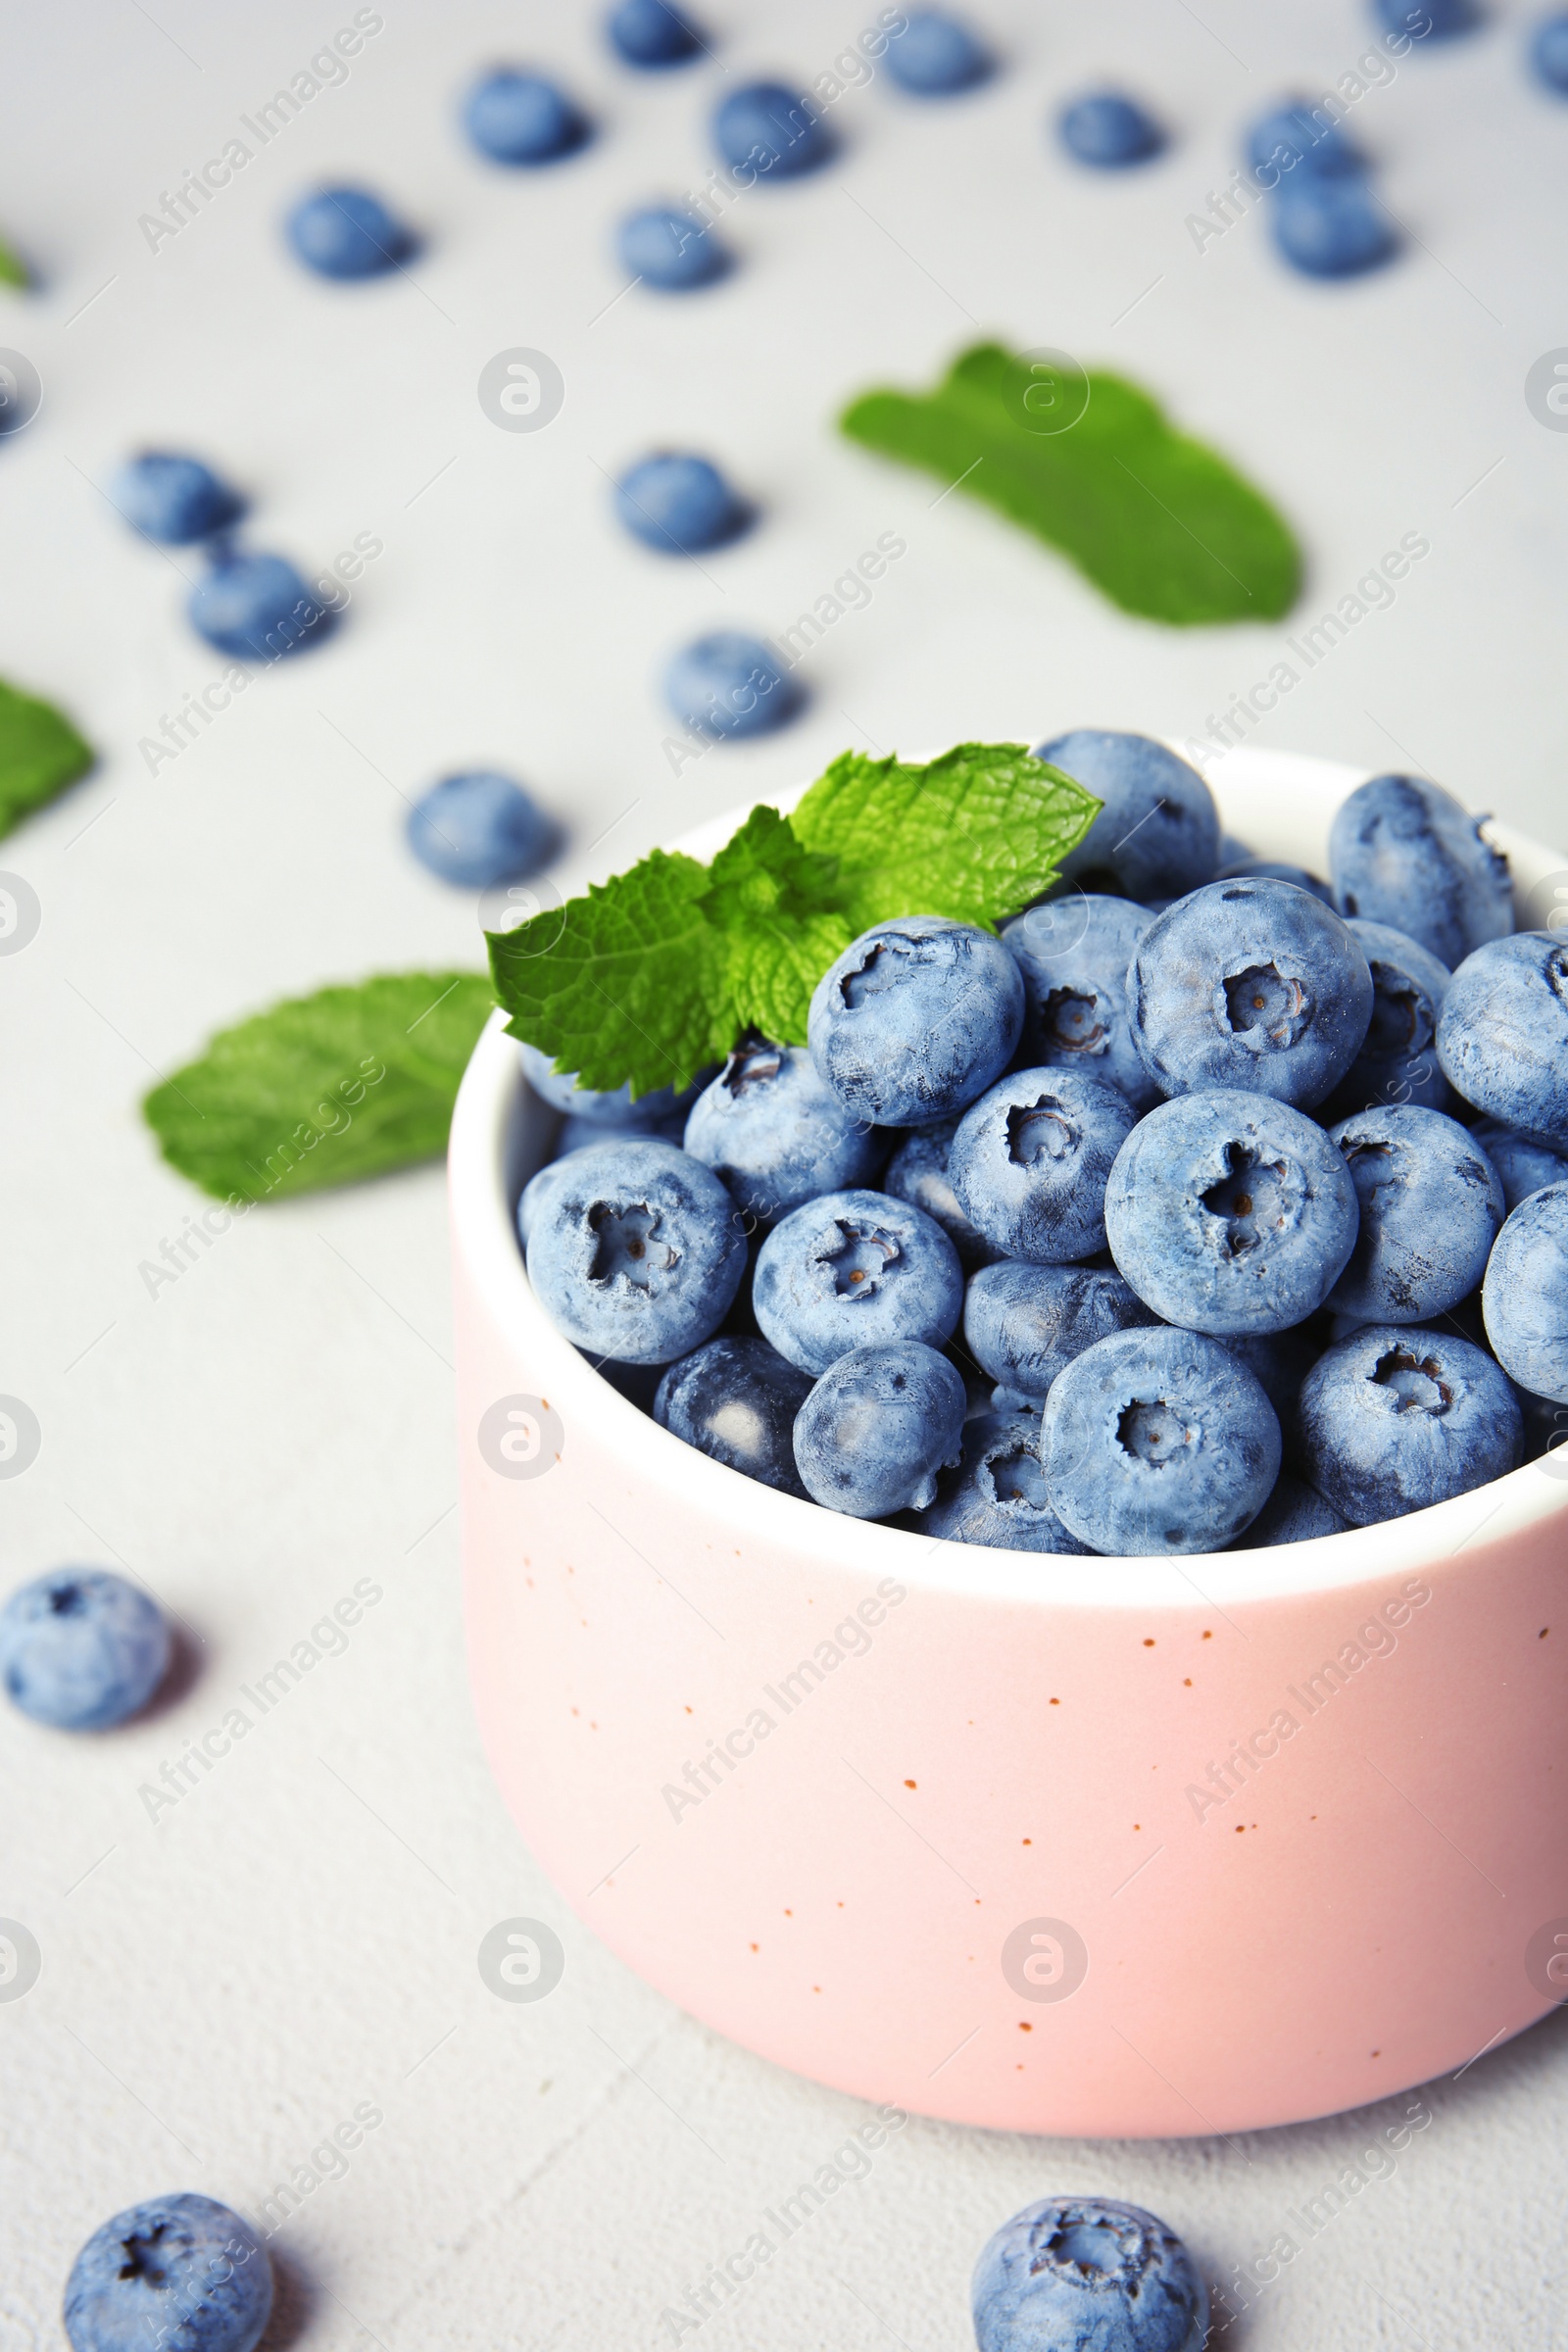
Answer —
174 499
776 1135
1526 1295
650 33
1087 2275
934 55
258 608
347 233
1030 1161
854 1269
996 1495
1431 1208
877 1426
736 1399
1402 851
480 829
1394 1419
1331 227
1024 1325
1522 1165
182 2272
1280 1360
560 1088
1109 131
518 117
1429 19
1398 1061
731 686
1275 869
767 130
1293 136
1503 1035
81 1648
537 1190
636 1250
1230 1213
1549 52
671 249
681 505
917 1173
1073 953
1158 1441
1158 834
1249 984
915 1019
1294 1513
577 1133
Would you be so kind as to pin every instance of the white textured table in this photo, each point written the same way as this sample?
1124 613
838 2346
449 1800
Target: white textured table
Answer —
295 1936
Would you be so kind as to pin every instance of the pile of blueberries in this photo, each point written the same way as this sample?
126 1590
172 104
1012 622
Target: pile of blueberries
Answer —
1209 1200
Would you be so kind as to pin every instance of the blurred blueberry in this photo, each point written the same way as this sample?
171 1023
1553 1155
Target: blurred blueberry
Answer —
258 608
996 1495
1109 131
1073 953
347 233
635 1250
1503 1034
182 2273
917 1173
577 1132
174 499
936 55
649 34
1430 1206
1526 1295
522 117
1294 1513
915 1019
1023 1325
81 1648
1293 136
770 131
1549 52
1428 19
1397 1418
1331 227
679 504
854 1269
736 1399
877 1426
1522 1164
731 685
479 829
1157 834
775 1134
1405 852
1275 869
1030 1161
561 1090
1087 2275
671 249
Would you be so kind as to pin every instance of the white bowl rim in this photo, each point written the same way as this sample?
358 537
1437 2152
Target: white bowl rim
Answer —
483 1209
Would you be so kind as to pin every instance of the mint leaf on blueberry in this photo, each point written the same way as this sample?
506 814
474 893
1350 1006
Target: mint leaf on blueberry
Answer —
324 1090
40 754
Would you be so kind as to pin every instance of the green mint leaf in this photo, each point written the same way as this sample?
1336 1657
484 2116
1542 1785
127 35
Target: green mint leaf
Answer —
628 982
324 1090
1161 524
774 902
40 754
13 270
973 836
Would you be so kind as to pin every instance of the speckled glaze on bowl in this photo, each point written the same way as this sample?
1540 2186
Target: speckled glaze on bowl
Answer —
1072 1846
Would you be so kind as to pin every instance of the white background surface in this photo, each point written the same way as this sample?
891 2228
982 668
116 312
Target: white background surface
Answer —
299 1933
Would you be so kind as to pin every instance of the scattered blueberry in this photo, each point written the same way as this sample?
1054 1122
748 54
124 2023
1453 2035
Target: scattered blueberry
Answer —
679 504
1549 52
1503 1036
1073 953
1331 227
935 55
518 117
1403 852
560 1088
1431 1208
1158 1441
915 1019
917 1173
81 1648
180 2272
1297 136
1158 834
1526 1295
347 233
1428 19
650 33
1294 1513
1030 1161
671 249
770 131
480 829
1229 1212
1395 1419
1024 1325
1398 1061
854 1269
736 1399
636 1250
174 499
996 1495
731 686
1254 985
1087 2275
1275 869
258 608
1522 1166
877 1426
776 1135
1109 131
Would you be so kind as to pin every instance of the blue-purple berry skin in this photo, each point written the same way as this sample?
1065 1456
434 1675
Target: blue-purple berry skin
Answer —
1398 1417
915 1019
1087 2275
180 2273
82 1650
1525 1297
346 233
765 130
1297 136
1275 869
670 249
174 499
1023 1325
1294 1513
562 1091
1331 228
1522 1166
1549 52
1157 831
730 687
735 1399
777 1136
1431 1208
258 608
1073 953
1398 1059
877 1426
854 1269
1502 1038
1403 852
481 829
524 119
636 1250
996 1495
1030 1161
917 1173
652 34
1109 131
935 55
679 504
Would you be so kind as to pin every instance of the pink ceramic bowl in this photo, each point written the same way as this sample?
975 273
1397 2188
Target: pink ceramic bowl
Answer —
1072 1846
